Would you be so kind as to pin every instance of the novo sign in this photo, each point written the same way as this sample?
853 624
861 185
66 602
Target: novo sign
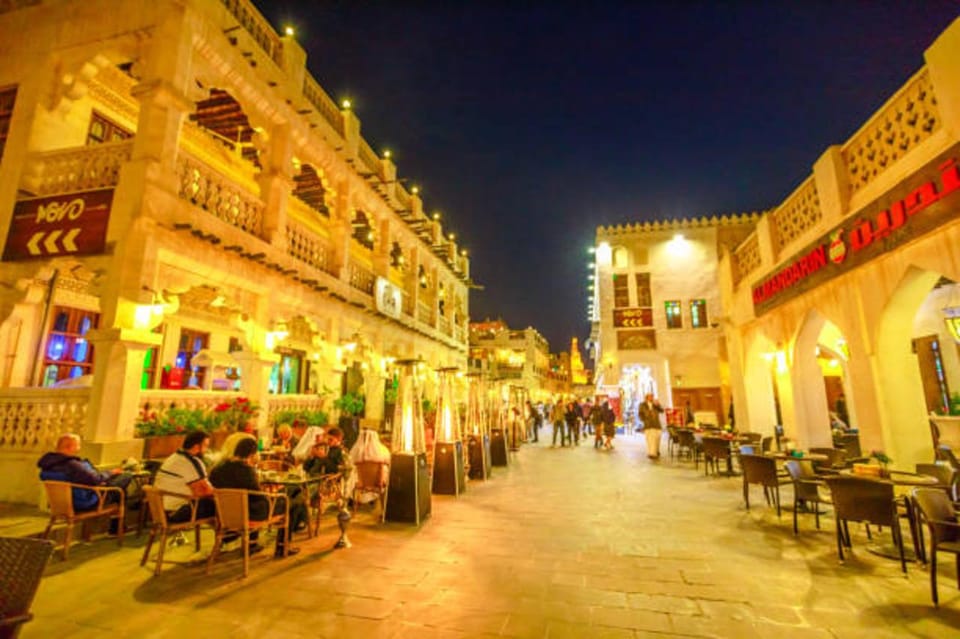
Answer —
72 224
856 242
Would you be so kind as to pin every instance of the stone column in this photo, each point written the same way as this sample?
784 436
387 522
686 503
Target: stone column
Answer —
254 383
276 185
115 395
381 251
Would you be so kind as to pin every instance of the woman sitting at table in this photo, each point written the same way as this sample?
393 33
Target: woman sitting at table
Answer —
369 449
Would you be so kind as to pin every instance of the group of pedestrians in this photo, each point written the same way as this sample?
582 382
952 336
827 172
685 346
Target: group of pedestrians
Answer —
572 422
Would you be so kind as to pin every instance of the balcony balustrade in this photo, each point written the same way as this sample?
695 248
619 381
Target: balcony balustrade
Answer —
76 169
31 419
211 191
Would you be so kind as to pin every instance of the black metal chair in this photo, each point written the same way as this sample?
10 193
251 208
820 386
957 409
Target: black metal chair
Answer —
687 444
715 449
869 501
22 561
937 511
808 489
761 470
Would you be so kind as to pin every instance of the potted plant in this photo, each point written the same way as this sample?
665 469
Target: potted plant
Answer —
163 429
351 407
883 460
235 415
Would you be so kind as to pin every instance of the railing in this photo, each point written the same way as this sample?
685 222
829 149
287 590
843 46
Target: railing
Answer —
308 247
403 199
798 213
208 189
361 278
258 28
188 399
76 169
424 313
369 159
31 419
277 403
323 103
907 119
746 257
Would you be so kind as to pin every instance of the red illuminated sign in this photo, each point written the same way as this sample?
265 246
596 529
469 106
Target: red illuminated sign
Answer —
71 224
632 317
854 243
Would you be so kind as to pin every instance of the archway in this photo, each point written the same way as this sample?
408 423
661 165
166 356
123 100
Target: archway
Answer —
903 409
818 377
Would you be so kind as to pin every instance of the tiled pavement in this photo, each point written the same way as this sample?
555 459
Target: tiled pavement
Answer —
564 543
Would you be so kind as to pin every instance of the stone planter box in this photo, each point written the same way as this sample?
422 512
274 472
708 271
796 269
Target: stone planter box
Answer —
161 446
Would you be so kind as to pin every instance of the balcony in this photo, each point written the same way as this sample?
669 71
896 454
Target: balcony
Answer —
76 169
208 189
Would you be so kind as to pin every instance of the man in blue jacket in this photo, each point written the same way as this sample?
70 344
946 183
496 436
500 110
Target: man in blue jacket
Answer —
65 464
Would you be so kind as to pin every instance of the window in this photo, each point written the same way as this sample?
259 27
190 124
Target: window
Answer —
148 377
644 299
698 313
621 292
620 258
674 317
285 376
103 130
7 98
68 354
191 343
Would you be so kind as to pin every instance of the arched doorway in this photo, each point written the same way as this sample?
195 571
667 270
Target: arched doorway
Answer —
760 411
818 378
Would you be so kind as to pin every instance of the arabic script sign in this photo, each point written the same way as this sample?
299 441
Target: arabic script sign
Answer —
915 207
632 317
71 224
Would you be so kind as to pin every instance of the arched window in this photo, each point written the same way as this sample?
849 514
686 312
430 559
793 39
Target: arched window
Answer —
309 189
621 257
362 231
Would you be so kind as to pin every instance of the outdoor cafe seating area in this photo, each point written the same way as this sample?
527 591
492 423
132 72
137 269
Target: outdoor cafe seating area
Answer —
908 517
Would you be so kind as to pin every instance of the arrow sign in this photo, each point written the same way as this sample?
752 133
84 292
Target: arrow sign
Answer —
32 244
71 223
632 317
69 245
51 242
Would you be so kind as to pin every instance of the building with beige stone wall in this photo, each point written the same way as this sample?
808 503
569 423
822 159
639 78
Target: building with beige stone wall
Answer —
173 180
849 284
657 316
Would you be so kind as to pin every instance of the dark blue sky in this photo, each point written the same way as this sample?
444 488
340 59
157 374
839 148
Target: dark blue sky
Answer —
528 124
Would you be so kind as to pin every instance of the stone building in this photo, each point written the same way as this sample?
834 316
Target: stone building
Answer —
513 357
182 205
850 284
656 313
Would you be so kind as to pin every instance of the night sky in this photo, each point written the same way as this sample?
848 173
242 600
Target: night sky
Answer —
528 124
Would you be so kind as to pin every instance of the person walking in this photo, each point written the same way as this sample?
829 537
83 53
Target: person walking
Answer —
609 426
650 411
572 416
596 421
558 418
533 422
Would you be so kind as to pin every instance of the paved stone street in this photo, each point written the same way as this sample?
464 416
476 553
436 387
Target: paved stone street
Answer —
565 543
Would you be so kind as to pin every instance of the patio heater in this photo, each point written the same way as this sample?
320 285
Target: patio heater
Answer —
448 469
477 426
408 491
498 434
515 416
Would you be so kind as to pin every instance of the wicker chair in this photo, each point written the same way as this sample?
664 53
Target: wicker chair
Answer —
761 470
22 561
371 478
865 500
807 487
162 527
836 457
60 498
329 491
938 512
233 516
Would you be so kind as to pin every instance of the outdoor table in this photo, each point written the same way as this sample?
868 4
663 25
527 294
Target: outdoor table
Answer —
288 483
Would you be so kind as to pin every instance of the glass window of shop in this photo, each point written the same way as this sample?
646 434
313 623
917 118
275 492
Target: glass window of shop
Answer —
674 314
698 313
67 354
191 343
286 375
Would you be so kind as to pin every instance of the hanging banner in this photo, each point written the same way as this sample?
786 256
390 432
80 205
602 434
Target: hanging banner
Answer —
389 298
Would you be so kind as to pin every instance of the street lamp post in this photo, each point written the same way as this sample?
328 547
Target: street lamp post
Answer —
498 434
478 429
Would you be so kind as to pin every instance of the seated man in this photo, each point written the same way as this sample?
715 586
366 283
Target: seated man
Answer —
185 473
240 472
328 457
65 464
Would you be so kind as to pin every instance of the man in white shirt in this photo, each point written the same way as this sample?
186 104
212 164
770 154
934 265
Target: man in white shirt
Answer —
184 473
